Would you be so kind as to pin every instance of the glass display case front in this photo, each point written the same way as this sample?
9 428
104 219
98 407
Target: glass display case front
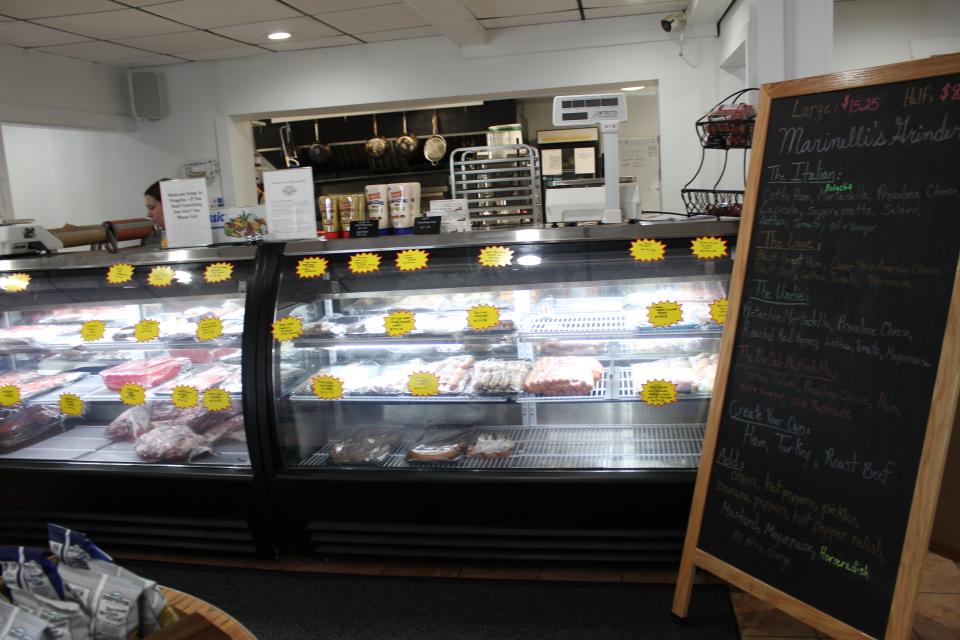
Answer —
125 358
537 350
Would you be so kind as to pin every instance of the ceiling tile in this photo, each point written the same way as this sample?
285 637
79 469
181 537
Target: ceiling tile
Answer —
95 51
219 54
110 25
391 16
316 43
633 9
504 8
328 6
25 34
399 34
142 3
180 42
207 14
147 61
47 8
537 18
256 33
651 6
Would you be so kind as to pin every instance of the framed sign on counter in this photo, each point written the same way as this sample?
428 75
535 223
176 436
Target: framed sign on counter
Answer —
840 367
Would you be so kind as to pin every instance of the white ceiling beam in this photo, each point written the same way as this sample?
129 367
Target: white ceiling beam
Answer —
453 19
706 11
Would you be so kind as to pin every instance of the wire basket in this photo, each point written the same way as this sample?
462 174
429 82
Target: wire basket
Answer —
712 202
729 125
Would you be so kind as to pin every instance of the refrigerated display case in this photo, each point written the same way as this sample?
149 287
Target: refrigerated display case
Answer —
122 399
516 394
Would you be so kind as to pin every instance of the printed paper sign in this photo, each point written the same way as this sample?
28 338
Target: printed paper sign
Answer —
584 160
708 248
399 323
186 212
483 317
289 199
552 162
646 250
364 263
215 399
209 329
92 330
161 277
423 384
184 397
15 282
146 330
71 404
658 392
133 394
312 267
288 328
218 272
120 273
9 395
412 259
718 311
496 257
328 387
664 314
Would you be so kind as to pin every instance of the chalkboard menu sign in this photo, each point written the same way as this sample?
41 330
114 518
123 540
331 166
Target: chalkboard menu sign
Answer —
817 434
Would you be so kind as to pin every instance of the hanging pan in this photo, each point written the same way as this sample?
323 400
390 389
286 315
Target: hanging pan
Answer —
377 145
406 143
289 147
319 152
435 147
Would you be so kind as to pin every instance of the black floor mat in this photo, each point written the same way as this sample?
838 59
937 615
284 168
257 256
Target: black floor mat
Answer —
280 605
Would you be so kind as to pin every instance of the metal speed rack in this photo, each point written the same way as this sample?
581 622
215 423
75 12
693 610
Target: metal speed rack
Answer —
501 185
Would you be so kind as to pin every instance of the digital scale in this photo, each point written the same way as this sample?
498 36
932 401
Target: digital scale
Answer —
23 236
579 201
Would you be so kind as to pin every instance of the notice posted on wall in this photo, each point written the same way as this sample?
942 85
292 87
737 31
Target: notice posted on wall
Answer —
186 212
288 195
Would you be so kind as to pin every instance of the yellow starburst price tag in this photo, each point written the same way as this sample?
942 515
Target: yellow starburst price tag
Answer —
215 399
328 387
412 260
495 257
133 394
120 273
218 272
482 317
15 282
364 263
399 323
708 248
209 329
146 330
658 392
184 397
718 311
312 267
664 314
70 404
422 383
161 276
9 395
288 328
92 330
647 250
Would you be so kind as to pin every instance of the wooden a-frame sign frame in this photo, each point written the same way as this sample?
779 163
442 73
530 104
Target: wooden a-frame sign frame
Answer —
940 420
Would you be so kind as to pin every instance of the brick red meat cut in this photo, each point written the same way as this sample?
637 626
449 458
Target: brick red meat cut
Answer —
148 373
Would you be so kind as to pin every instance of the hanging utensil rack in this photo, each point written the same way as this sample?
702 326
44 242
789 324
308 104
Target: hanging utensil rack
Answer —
501 185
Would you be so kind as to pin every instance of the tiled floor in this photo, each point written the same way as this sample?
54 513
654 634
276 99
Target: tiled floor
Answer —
937 618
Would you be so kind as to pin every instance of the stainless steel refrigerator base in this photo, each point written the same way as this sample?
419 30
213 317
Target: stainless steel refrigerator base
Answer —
667 446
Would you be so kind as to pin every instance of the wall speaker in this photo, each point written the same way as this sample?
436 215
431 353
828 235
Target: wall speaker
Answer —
148 95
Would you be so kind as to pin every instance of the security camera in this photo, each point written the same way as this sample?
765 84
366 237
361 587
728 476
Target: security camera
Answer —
677 20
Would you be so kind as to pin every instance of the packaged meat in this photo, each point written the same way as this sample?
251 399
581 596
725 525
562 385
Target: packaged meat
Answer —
357 377
170 443
147 373
224 428
67 620
163 412
692 374
440 445
393 379
32 570
43 384
491 447
111 602
234 383
206 356
203 379
17 624
20 426
563 376
130 425
363 448
453 374
206 421
498 376
563 348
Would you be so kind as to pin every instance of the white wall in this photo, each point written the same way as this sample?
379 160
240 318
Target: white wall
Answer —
868 33
81 177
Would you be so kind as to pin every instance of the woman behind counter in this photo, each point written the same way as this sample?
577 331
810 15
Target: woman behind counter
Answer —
154 203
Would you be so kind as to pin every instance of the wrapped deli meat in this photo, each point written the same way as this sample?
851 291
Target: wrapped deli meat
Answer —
563 376
440 445
147 373
367 447
131 424
111 602
67 620
31 570
170 443
17 624
19 426
498 376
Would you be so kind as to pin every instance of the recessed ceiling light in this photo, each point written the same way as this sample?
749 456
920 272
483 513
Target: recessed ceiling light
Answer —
279 35
632 88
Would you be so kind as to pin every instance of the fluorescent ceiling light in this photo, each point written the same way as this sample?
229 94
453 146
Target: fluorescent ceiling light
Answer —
279 35
632 88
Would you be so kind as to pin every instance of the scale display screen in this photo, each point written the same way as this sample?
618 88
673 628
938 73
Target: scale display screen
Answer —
596 108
